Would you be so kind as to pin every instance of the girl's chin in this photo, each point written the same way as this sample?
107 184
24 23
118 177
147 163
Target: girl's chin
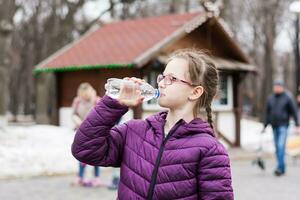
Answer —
162 103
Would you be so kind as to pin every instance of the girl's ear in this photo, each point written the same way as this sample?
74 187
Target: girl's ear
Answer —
196 93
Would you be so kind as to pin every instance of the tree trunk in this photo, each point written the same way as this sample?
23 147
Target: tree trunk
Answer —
269 56
7 11
46 108
187 5
112 10
173 7
257 78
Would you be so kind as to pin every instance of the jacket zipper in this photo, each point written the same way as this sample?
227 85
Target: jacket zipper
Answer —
157 163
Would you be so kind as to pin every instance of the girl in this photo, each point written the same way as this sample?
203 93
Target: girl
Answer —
173 154
82 104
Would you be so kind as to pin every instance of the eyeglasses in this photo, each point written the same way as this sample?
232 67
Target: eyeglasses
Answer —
168 80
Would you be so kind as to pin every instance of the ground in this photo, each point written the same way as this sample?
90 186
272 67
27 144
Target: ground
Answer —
249 182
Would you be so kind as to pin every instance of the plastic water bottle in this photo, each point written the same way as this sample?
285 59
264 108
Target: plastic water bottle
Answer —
113 86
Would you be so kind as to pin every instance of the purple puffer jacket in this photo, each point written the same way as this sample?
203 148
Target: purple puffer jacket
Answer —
187 164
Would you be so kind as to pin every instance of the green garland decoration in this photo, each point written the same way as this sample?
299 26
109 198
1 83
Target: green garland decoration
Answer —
37 71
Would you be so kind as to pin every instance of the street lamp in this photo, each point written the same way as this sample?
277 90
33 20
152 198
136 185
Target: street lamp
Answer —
295 8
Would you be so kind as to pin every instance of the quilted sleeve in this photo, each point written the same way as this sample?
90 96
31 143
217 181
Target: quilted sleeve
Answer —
214 176
97 141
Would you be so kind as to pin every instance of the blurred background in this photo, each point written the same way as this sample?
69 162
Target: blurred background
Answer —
33 30
49 47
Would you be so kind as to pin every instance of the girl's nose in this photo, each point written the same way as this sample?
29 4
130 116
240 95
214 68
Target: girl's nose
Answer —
161 84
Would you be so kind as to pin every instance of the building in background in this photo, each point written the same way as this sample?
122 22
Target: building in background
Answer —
140 48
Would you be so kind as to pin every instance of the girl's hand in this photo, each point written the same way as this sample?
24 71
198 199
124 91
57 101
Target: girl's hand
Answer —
130 94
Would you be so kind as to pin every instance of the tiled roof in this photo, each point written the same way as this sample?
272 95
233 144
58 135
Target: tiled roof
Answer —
115 44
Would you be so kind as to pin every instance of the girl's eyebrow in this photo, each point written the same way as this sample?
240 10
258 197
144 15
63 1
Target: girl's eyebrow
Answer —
168 74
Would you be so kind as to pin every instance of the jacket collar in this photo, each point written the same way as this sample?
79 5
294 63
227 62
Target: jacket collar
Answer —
196 126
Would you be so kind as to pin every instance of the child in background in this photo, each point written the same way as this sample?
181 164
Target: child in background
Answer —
173 154
86 99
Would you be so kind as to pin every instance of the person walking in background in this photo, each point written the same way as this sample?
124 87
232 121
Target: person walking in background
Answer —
85 100
279 108
173 154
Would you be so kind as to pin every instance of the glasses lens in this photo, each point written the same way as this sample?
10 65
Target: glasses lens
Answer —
168 80
160 77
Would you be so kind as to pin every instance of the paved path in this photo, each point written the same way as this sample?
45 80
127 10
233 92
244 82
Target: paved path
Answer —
249 183
51 188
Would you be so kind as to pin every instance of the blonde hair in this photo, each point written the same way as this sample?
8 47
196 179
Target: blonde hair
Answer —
83 87
202 72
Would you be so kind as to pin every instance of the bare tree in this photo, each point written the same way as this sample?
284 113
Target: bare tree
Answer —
45 27
256 29
7 12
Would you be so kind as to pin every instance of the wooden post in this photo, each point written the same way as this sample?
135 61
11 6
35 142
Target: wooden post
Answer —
237 108
54 115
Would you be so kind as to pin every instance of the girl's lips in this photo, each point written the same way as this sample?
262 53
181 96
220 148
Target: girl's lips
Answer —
161 93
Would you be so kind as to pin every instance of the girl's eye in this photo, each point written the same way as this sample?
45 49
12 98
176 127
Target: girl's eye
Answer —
173 79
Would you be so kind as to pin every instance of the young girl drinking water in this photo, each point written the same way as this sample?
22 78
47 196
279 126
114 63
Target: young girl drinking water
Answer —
173 154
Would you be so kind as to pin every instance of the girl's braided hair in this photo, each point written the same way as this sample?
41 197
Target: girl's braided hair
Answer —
203 72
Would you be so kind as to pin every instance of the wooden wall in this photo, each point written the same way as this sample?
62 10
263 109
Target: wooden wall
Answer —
67 82
207 37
